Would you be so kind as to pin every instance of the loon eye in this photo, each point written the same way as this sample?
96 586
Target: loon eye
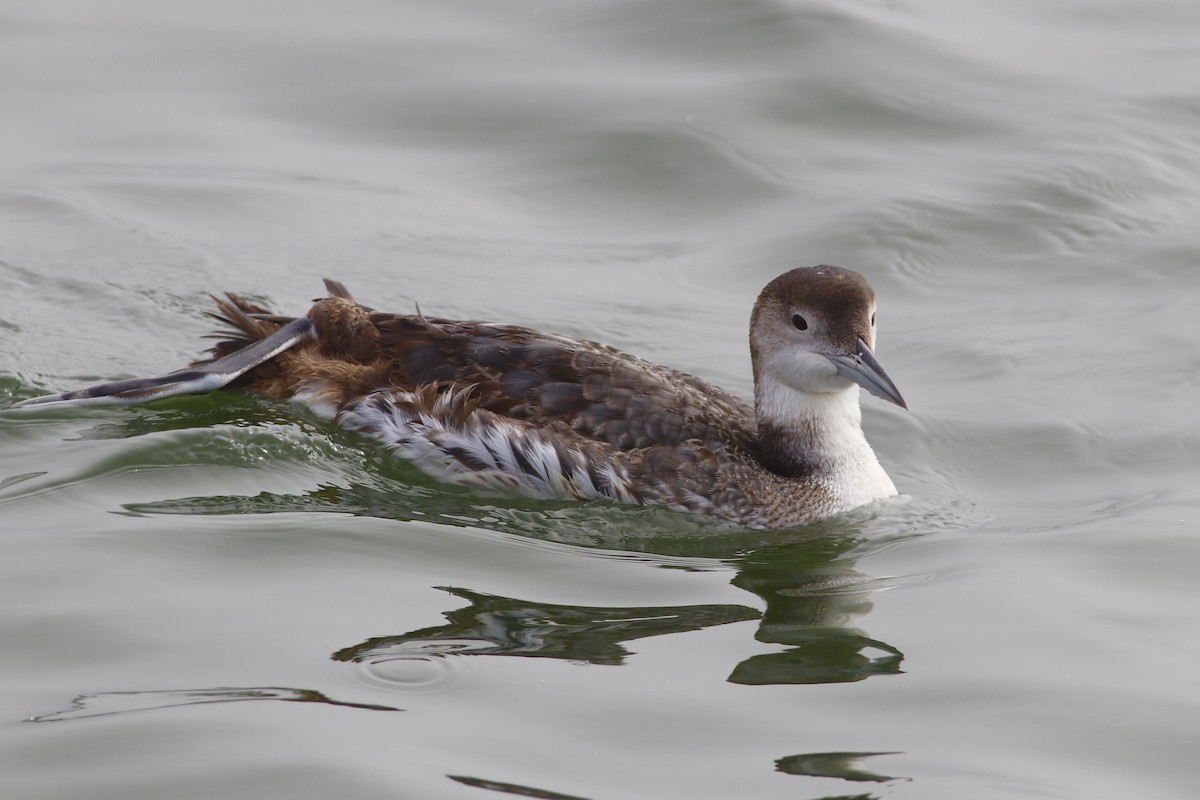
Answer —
799 323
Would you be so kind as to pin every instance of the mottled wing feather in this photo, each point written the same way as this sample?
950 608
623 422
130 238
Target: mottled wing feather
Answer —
445 433
491 405
601 393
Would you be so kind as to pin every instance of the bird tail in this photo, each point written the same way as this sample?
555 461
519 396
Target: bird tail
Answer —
254 338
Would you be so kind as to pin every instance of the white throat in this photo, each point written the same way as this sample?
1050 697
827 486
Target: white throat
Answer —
824 429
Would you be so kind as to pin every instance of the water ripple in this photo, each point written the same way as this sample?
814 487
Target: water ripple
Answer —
417 667
107 703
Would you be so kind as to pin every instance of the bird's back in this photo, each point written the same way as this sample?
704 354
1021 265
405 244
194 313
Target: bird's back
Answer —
595 391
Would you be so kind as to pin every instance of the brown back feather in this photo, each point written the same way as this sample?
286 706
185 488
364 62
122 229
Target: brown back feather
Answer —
596 391
601 393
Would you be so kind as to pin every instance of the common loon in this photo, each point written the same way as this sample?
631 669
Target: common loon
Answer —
503 407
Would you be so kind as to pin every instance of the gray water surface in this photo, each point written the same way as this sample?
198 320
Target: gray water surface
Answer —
223 597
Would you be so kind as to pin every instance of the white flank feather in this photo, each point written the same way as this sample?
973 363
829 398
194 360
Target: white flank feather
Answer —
484 450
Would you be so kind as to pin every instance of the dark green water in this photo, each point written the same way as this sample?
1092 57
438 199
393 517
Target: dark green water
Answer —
222 597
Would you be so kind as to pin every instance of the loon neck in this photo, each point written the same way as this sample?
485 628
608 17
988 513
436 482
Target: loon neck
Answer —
819 436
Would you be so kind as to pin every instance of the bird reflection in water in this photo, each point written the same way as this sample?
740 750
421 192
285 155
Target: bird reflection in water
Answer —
812 596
